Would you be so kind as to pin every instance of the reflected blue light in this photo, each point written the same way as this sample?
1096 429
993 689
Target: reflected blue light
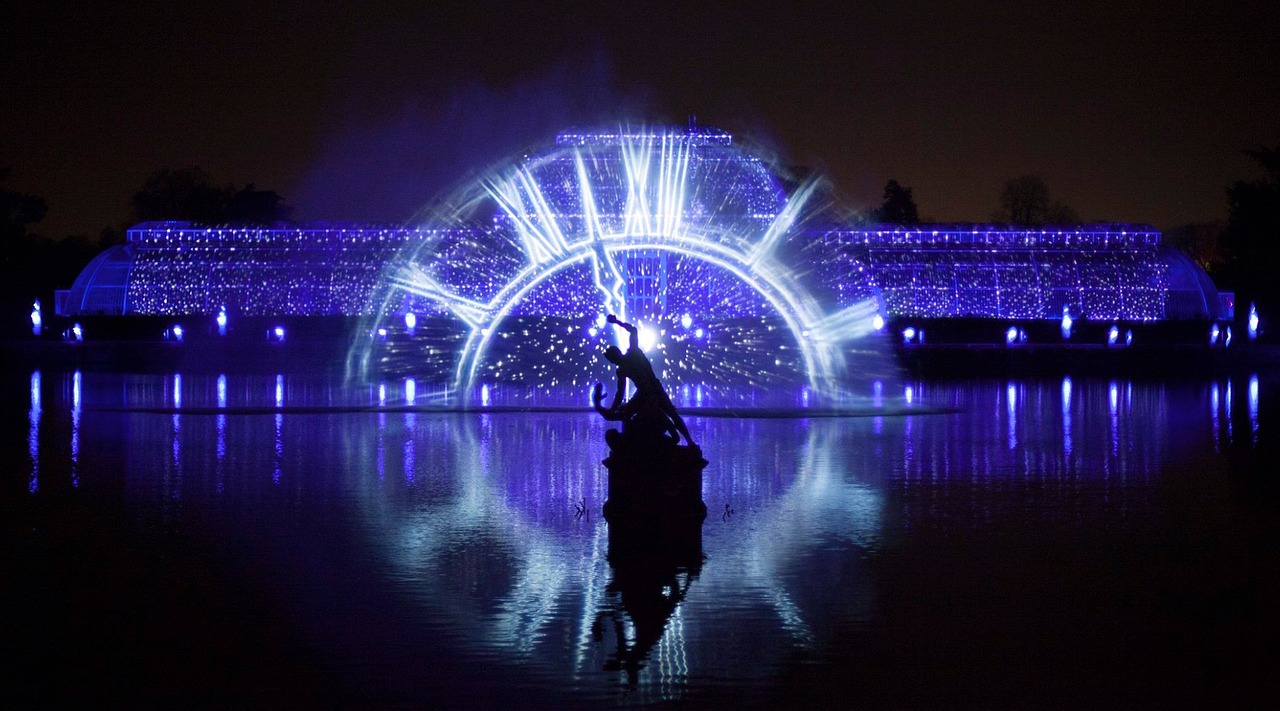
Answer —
877 394
277 462
410 447
410 390
382 393
1011 401
177 390
1254 322
484 395
1230 412
1066 417
1253 406
33 434
910 394
1213 414
1226 336
279 390
76 380
220 450
222 390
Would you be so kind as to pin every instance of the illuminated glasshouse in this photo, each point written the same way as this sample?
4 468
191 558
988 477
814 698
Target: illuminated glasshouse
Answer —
733 272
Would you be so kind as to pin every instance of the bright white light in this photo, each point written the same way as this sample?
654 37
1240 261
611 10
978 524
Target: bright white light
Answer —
279 390
686 320
382 393
601 320
1213 334
222 321
698 333
1253 322
1226 337
37 321
1113 335
1128 336
222 391
908 334
410 390
410 320
1011 336
648 338
77 333
177 390
484 395
1067 323
877 322
278 333
177 333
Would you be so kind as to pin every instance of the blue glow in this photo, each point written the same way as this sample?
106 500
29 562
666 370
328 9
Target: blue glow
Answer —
222 390
1214 332
177 390
222 321
1067 323
908 334
1253 406
877 322
1011 402
1254 322
410 390
1113 335
382 393
1226 337
686 321
277 334
410 321
1066 418
37 321
33 434
77 333
279 390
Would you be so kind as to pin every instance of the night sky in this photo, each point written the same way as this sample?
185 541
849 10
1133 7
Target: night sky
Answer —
1135 114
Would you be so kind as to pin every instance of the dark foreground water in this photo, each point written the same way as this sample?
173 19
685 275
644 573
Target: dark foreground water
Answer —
258 541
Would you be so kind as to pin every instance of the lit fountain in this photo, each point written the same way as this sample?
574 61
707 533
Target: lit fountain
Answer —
677 230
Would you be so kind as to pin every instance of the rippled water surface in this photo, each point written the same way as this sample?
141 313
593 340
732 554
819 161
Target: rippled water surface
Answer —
284 540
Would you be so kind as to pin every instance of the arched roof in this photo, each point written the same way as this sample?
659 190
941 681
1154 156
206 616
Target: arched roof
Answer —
102 287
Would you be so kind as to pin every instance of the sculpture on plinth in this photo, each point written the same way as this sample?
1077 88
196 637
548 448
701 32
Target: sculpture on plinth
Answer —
655 481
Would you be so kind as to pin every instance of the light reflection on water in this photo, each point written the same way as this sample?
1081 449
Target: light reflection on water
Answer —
470 518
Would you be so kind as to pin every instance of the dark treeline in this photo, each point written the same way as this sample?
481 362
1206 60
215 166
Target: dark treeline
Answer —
33 265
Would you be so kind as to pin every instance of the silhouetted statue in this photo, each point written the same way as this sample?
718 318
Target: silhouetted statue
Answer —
634 365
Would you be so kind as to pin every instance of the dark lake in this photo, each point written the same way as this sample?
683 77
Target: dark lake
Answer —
178 540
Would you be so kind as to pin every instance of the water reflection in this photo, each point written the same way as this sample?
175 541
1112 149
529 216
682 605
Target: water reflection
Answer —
471 517
33 434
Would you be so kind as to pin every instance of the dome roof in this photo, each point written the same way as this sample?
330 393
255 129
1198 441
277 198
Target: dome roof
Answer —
102 287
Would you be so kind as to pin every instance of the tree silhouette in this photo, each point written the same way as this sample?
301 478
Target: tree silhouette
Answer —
1025 201
189 194
898 207
17 211
248 205
1253 228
